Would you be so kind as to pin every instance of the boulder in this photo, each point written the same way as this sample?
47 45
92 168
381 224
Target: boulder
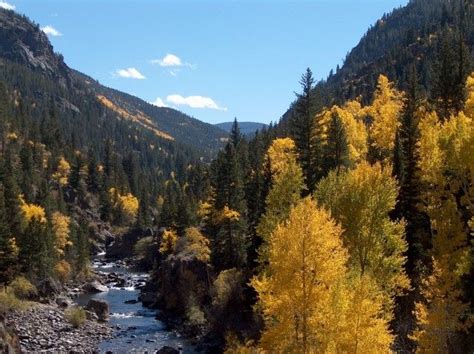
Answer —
167 350
63 301
148 299
48 287
94 287
100 308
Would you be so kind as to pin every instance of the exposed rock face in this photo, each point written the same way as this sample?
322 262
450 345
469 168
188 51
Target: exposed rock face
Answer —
23 43
100 308
44 328
94 287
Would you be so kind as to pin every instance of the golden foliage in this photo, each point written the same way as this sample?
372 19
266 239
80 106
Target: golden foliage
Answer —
137 117
32 211
287 184
60 225
438 317
385 108
447 165
128 204
196 245
361 200
62 174
62 269
351 115
306 263
168 242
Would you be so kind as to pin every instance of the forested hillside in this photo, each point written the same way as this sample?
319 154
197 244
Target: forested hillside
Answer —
346 228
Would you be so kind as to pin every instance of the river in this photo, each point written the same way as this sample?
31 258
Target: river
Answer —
136 328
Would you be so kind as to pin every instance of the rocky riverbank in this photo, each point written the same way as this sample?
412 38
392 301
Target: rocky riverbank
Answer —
44 327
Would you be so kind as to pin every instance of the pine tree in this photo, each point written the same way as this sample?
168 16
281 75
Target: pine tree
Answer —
450 73
336 151
93 178
302 128
410 194
8 246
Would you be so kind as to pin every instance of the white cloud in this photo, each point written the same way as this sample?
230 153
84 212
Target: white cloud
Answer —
174 62
194 102
5 5
159 102
168 60
130 73
51 31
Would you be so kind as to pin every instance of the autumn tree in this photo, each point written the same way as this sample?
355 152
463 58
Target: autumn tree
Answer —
384 111
306 262
361 200
287 185
447 162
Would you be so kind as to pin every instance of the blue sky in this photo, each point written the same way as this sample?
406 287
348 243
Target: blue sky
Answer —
214 60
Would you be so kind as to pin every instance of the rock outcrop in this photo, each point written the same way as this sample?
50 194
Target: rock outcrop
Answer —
100 308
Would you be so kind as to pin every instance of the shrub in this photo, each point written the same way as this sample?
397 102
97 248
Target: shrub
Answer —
195 316
9 302
141 247
22 288
226 288
76 316
62 270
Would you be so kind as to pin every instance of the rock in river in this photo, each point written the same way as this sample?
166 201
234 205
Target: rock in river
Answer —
100 308
94 287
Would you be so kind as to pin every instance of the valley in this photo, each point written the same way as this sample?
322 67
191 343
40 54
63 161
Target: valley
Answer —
345 225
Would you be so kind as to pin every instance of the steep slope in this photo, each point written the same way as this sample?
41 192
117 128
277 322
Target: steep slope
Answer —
406 36
23 43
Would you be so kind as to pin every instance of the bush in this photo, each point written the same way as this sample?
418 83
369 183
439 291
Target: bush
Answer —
62 270
9 302
76 316
141 247
22 288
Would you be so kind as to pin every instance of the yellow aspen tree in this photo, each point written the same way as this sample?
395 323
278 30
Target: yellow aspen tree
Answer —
168 242
361 200
306 262
365 326
287 185
351 115
61 176
447 162
60 224
32 211
384 111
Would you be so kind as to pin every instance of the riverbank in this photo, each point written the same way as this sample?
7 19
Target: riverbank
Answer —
44 327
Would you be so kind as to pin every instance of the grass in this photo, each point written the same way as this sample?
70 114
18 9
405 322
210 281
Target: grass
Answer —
76 316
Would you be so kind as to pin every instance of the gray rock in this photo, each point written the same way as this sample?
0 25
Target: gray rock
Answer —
94 287
147 298
63 301
48 287
100 308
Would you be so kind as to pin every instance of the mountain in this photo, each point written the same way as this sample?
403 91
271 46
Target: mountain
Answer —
246 128
410 35
23 43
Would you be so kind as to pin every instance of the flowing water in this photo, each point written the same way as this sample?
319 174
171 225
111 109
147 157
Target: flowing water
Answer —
137 330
